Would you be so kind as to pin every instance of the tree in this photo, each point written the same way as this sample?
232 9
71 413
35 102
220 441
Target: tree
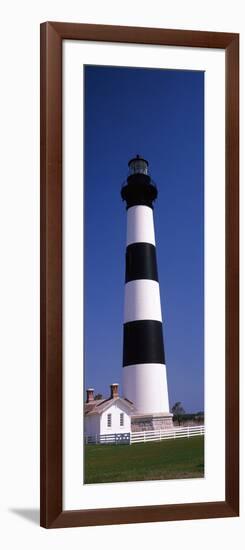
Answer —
98 396
178 411
199 417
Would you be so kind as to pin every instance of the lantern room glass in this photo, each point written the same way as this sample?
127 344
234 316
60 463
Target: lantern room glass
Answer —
138 166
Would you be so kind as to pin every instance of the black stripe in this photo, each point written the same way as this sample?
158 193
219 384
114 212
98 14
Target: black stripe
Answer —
139 189
141 262
143 343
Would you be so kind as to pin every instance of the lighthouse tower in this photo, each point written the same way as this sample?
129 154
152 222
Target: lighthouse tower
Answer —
144 370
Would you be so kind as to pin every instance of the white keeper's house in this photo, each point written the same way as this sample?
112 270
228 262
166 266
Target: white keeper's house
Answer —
109 416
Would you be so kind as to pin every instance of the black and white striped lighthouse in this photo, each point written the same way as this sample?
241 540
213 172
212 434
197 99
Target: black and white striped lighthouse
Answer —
144 370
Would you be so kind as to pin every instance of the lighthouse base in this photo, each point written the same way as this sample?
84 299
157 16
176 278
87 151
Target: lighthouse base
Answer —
149 422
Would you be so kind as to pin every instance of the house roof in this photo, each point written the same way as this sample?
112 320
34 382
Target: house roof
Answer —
100 405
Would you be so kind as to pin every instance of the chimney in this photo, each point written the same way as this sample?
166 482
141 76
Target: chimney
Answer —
114 391
90 395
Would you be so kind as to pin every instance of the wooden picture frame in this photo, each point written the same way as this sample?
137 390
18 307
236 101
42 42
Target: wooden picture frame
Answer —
52 35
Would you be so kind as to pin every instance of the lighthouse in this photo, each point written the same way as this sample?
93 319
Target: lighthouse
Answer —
144 368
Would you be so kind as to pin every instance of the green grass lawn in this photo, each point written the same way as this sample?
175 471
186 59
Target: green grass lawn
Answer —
169 459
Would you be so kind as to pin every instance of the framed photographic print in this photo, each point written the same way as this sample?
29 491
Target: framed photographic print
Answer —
139 274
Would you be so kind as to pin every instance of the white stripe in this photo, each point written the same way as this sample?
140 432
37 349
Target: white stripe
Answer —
140 225
146 386
142 301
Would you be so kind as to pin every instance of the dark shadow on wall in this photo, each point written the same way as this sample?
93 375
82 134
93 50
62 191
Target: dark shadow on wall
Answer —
30 514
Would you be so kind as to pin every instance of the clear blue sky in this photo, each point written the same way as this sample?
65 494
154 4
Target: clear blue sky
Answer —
158 114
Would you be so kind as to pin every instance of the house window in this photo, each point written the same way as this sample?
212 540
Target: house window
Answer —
121 419
109 420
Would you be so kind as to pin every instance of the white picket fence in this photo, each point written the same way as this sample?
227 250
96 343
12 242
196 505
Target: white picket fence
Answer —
143 437
118 438
173 433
